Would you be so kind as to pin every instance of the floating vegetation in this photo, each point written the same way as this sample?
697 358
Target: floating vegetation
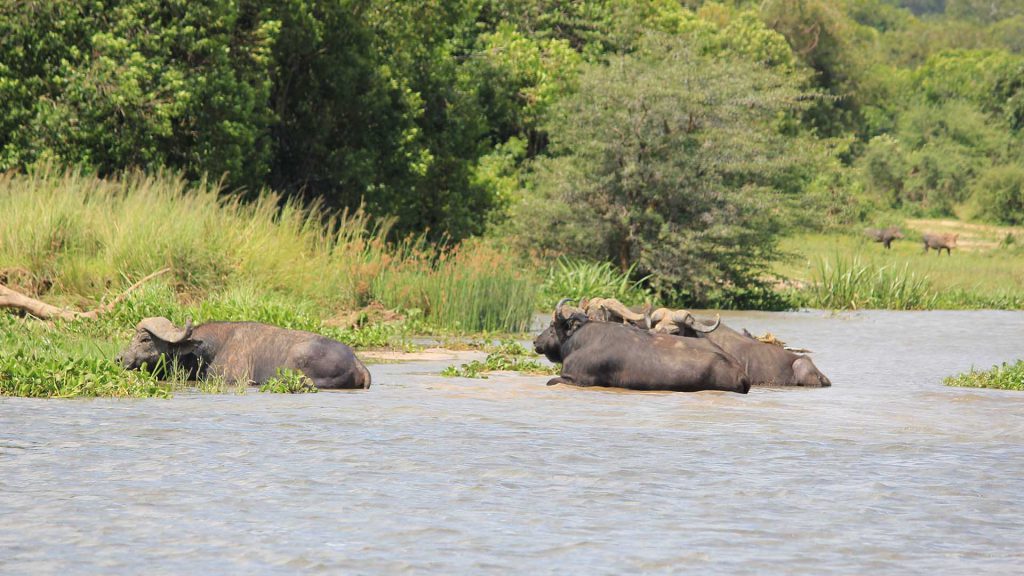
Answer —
288 382
1002 377
509 356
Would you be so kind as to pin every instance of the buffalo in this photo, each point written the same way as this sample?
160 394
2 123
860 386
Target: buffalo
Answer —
884 235
940 242
767 364
623 356
244 352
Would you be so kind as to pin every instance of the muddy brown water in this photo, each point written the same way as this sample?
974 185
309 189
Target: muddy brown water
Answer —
886 472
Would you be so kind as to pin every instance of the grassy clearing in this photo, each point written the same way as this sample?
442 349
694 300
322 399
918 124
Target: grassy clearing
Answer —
1003 377
849 271
508 356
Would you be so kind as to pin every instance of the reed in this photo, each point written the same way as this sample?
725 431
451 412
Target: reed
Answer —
571 278
969 279
843 283
472 288
79 238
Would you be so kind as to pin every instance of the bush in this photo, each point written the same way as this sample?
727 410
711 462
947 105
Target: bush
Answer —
999 195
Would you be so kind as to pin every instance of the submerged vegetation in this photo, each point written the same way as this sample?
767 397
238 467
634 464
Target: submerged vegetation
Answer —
1003 377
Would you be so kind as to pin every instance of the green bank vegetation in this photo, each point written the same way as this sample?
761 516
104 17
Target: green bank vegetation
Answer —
848 271
1002 377
508 356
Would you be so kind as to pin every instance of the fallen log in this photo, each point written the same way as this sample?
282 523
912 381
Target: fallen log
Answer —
14 299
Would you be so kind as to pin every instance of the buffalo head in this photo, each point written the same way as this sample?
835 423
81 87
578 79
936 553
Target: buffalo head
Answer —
156 337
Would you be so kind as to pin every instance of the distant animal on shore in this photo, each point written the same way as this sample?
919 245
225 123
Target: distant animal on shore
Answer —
940 242
247 352
884 235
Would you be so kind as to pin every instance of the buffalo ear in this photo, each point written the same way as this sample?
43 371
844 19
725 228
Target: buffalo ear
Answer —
186 346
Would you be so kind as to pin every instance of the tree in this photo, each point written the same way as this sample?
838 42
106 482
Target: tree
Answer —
112 84
670 162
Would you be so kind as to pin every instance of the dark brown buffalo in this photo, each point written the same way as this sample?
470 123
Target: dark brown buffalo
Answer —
940 242
244 352
767 364
884 235
623 356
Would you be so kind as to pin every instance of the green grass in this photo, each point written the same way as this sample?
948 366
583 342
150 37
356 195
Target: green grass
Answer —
843 283
288 382
568 278
508 356
77 239
1003 377
842 271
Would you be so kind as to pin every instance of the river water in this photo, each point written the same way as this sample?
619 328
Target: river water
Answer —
886 472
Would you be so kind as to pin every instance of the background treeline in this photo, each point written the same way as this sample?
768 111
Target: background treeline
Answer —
675 139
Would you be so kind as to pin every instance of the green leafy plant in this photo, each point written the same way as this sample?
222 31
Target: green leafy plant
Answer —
508 356
1004 377
847 284
288 382
570 277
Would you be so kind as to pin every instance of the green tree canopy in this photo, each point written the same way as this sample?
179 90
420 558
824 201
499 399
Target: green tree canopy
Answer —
671 161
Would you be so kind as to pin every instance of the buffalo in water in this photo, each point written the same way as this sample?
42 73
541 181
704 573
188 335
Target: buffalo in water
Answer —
767 364
597 353
244 352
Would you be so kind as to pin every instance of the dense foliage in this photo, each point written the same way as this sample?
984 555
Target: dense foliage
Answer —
743 119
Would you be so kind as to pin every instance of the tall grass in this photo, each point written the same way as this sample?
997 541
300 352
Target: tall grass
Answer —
980 279
570 278
471 288
82 238
843 283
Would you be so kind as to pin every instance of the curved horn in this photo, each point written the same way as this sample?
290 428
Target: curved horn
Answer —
165 330
702 328
558 307
658 314
619 308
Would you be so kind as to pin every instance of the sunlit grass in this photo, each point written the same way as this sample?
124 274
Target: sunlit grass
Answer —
86 238
969 279
568 278
1003 377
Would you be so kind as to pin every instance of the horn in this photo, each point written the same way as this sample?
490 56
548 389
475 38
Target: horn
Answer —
702 328
165 330
619 308
558 307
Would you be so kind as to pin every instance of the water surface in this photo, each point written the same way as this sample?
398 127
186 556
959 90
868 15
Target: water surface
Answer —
888 471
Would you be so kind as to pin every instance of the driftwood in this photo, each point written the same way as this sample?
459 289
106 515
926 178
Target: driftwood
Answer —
13 299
